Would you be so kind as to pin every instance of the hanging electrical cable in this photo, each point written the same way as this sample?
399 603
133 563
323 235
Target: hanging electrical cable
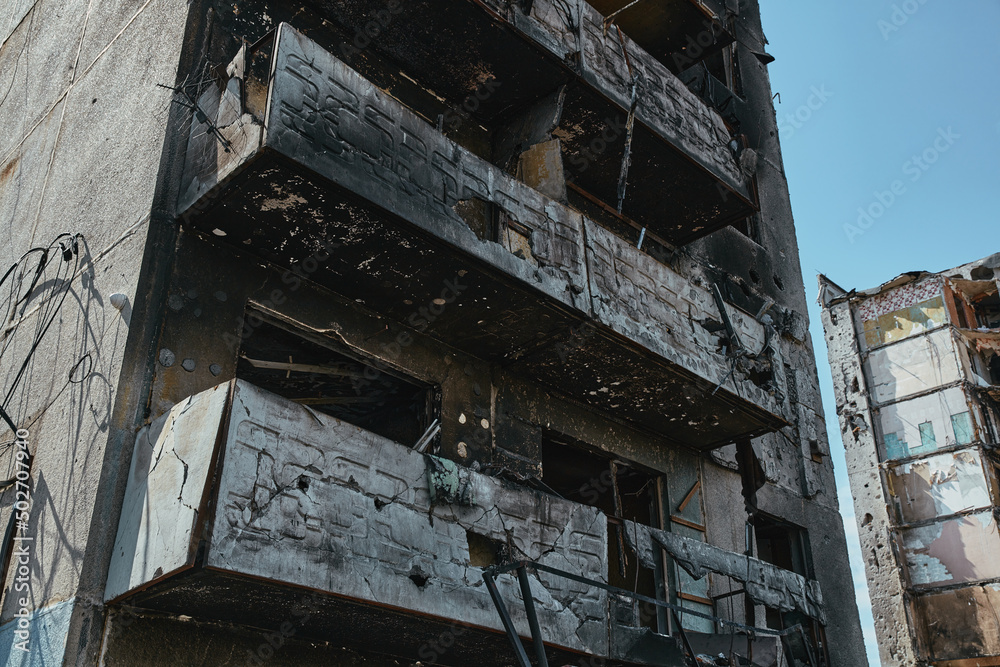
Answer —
35 287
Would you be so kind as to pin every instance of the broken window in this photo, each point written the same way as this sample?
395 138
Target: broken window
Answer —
987 310
963 319
623 492
749 227
309 371
787 546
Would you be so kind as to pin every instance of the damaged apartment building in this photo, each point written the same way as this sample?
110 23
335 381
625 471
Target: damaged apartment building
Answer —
464 332
916 371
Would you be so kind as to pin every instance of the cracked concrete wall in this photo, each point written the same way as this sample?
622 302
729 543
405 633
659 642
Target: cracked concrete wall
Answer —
171 465
885 582
905 392
755 270
435 174
308 500
668 311
796 463
81 152
576 31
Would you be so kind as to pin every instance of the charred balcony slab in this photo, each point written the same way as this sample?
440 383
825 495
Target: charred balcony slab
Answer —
336 181
685 180
289 505
245 507
678 34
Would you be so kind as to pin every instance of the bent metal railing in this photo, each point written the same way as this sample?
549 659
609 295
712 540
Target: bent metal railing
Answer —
521 567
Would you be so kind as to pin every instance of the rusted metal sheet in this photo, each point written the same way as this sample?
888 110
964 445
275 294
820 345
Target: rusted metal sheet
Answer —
171 465
953 551
939 485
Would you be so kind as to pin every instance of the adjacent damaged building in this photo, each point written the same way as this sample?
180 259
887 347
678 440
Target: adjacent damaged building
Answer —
916 371
437 332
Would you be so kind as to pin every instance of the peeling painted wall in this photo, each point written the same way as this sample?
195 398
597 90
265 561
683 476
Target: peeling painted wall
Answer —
940 485
921 420
953 551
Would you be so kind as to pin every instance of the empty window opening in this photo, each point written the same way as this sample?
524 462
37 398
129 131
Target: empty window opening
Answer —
675 33
994 369
987 310
787 546
749 227
963 321
328 381
579 473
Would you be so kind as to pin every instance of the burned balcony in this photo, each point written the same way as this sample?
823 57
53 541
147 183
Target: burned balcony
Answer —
501 77
306 507
314 161
245 507
684 178
678 34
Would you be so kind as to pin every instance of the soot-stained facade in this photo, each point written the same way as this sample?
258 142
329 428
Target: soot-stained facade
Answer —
394 333
916 372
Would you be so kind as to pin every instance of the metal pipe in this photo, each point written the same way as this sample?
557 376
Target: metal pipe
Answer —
529 609
508 624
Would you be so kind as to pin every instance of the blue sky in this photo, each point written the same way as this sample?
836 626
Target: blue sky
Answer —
892 108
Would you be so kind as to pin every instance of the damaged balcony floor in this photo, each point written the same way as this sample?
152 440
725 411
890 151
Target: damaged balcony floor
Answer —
380 207
316 616
277 212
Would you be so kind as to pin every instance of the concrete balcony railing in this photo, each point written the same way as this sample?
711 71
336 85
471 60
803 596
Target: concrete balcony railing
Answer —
503 62
245 507
319 159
